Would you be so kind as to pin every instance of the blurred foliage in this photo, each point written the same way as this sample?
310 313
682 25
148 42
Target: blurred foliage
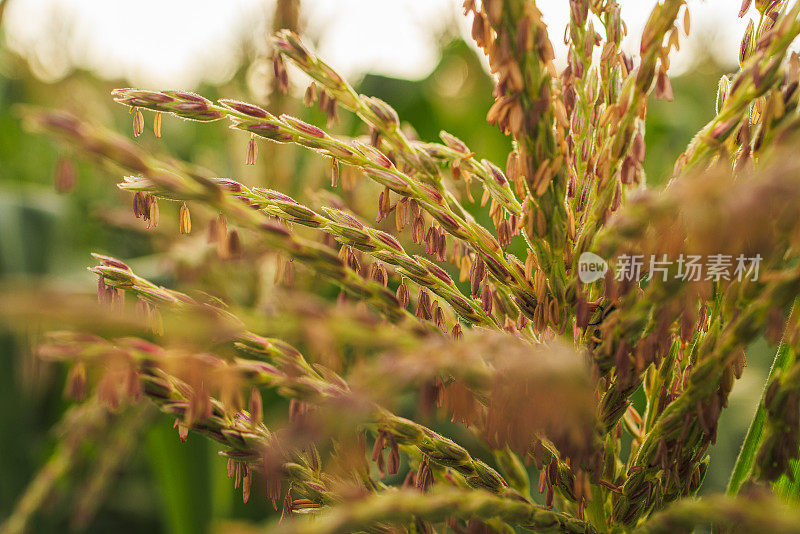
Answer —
168 486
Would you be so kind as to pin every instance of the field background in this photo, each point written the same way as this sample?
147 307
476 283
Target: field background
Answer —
45 238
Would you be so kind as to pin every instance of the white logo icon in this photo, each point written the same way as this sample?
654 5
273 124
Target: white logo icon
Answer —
591 267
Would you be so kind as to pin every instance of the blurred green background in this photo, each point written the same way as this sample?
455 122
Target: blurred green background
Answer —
166 486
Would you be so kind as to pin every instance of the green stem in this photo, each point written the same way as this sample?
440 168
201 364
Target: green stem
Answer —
744 463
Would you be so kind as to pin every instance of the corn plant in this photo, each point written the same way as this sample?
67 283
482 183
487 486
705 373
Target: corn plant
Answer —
532 333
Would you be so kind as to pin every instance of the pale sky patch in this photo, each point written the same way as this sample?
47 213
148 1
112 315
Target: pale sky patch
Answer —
179 43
